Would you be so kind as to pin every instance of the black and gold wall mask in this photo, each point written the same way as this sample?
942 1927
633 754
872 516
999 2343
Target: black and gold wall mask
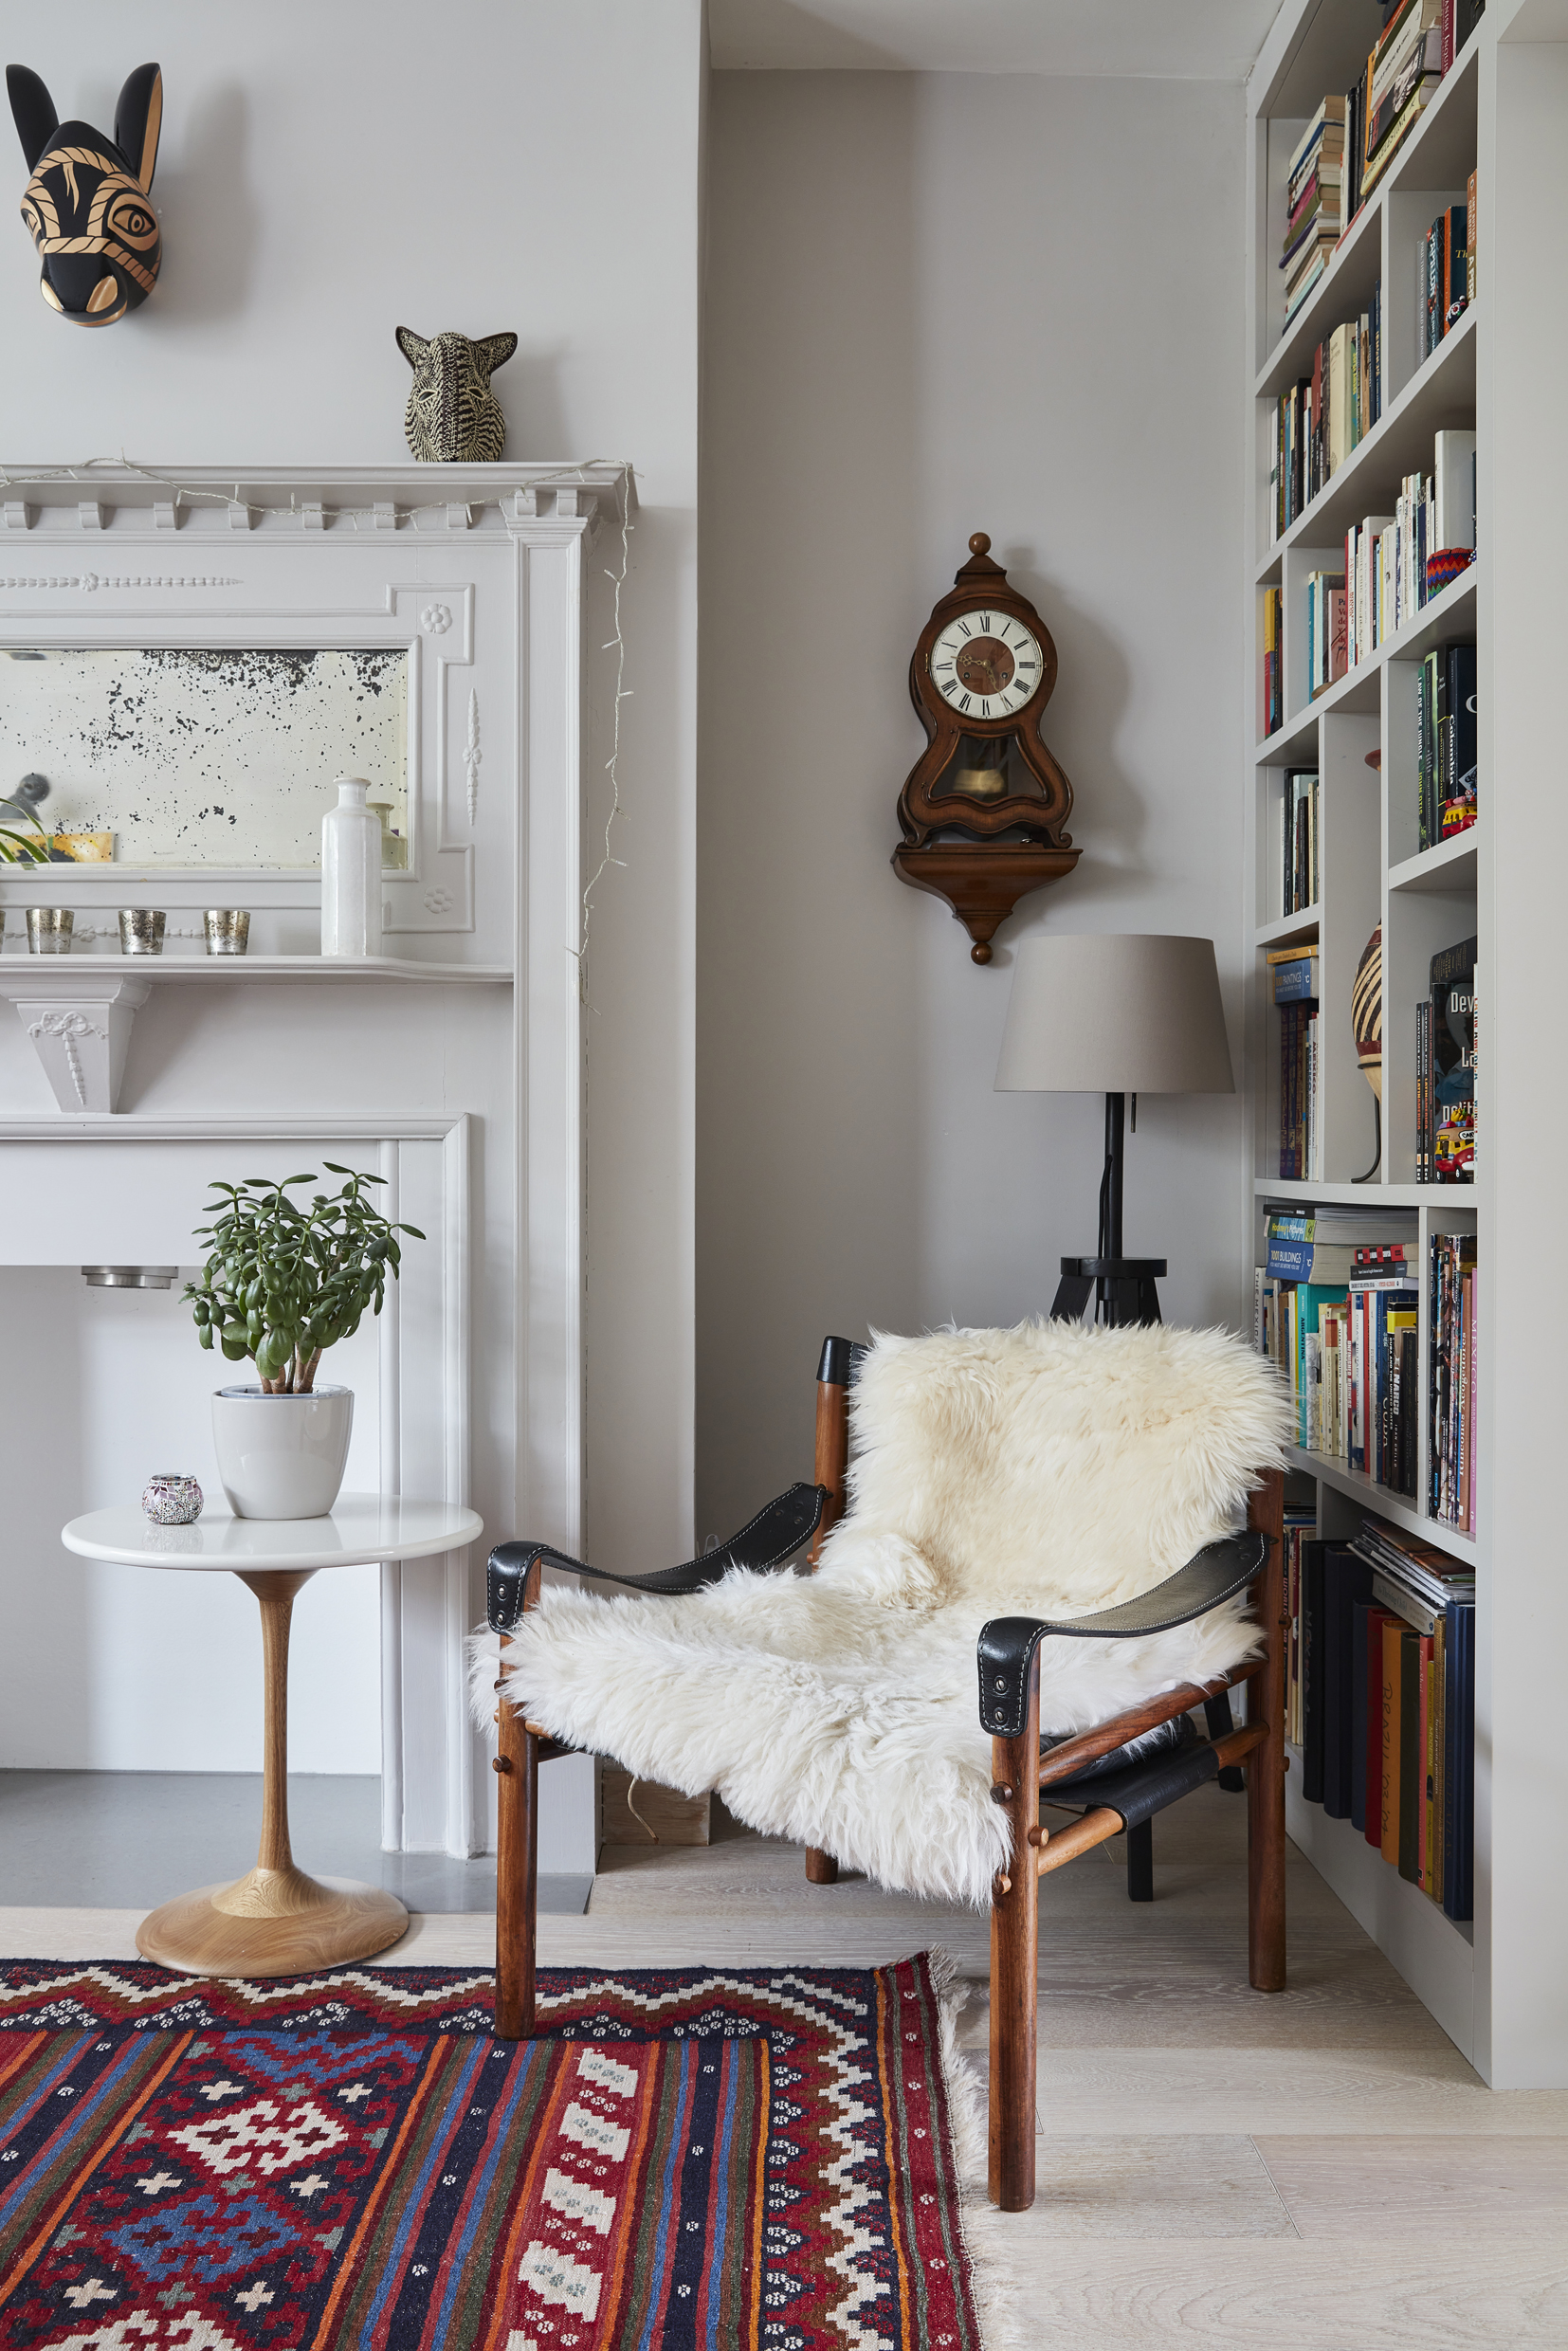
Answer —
86 205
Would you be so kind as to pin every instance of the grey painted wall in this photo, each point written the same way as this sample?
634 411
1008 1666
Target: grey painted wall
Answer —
936 304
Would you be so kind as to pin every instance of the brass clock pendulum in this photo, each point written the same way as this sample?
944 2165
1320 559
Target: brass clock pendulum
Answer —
983 808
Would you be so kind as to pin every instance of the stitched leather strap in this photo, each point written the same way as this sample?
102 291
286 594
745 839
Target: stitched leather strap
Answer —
1142 1789
1007 1644
763 1543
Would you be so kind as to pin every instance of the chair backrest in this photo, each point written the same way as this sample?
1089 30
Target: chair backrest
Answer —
1053 1467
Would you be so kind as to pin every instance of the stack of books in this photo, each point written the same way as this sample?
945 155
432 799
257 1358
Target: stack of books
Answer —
1299 875
1401 79
1351 140
1313 189
1395 563
1445 743
1452 1458
1319 420
1446 1070
1382 1656
1294 970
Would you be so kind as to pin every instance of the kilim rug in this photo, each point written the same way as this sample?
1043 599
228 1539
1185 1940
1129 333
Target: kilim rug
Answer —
683 2161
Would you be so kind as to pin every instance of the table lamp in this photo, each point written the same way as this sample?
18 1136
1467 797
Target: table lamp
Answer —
1114 1016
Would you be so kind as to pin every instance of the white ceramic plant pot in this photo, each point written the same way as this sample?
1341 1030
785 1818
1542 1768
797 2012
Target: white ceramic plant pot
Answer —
282 1456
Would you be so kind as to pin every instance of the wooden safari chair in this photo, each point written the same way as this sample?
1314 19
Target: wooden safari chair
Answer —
1090 1392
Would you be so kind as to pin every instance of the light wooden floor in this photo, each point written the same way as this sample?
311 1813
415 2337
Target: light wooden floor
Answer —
1318 2171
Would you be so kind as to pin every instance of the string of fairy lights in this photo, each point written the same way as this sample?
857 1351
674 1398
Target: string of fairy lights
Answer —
100 472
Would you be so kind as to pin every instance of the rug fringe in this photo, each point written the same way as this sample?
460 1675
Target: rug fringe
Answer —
985 2230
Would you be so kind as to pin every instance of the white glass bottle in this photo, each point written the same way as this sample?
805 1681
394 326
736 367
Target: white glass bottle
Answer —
350 873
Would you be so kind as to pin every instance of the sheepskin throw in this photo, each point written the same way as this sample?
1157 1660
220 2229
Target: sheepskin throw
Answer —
1049 1470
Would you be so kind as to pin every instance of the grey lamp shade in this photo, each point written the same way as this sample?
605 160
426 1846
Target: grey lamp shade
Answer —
1120 1016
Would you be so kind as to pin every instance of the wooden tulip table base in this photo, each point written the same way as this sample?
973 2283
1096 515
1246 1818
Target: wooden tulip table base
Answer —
276 1922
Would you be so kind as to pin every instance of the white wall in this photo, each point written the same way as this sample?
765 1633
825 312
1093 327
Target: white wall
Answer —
326 174
936 305
127 1669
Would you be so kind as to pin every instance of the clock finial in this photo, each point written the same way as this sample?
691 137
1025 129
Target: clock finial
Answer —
980 543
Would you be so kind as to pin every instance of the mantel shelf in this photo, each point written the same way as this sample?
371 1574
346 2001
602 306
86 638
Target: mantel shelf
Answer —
78 1010
90 506
38 976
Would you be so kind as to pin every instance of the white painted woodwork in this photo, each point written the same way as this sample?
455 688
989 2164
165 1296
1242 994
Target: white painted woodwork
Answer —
1503 111
451 1065
79 1023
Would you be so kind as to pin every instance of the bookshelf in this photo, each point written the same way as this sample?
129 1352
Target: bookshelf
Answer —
1502 371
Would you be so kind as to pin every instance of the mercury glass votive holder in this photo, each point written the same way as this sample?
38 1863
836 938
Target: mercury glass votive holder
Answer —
227 930
50 930
171 1498
141 930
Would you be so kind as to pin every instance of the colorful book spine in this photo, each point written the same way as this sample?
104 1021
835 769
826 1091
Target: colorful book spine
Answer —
1272 700
1452 1294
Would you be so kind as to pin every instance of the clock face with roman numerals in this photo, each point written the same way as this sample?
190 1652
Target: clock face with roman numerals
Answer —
986 665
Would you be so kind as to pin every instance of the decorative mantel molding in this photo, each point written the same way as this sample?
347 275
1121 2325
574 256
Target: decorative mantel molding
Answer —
80 1024
38 501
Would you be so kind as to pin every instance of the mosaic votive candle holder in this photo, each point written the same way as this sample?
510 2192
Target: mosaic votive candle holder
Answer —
141 930
227 930
50 930
171 1498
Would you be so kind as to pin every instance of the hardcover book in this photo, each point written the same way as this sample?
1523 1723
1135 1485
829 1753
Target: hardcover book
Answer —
1452 979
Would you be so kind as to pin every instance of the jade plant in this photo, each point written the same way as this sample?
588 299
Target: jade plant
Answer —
283 1283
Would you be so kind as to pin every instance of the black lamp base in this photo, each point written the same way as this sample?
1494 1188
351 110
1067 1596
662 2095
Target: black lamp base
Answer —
1123 1287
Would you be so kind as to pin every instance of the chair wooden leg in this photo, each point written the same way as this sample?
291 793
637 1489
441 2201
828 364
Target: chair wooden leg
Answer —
516 1856
1265 1765
832 1457
1015 1957
1140 1862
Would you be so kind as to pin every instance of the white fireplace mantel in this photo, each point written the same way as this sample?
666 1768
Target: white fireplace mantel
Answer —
470 1024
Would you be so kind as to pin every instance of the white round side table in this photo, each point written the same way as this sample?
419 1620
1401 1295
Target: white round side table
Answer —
276 1921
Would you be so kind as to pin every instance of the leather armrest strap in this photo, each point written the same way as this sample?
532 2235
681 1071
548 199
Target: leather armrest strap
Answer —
764 1544
1007 1644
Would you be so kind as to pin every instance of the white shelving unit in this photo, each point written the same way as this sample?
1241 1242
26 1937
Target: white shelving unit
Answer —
1502 111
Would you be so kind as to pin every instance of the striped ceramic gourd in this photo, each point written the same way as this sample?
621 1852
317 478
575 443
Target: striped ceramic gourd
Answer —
1366 1011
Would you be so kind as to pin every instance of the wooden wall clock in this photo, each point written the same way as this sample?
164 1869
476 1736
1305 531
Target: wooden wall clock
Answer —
983 807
